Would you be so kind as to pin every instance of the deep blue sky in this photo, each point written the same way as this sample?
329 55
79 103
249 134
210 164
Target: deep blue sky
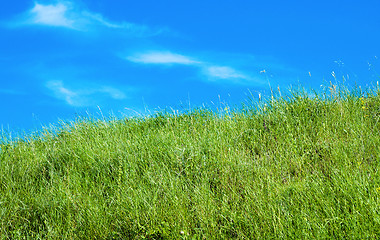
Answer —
61 59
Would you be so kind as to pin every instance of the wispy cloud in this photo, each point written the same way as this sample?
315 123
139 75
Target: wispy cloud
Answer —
61 92
66 14
82 98
52 15
112 92
224 72
212 71
162 58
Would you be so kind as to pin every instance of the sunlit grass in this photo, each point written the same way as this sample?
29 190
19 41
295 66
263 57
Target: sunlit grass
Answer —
290 167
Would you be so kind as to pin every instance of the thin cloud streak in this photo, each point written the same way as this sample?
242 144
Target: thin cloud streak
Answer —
168 58
224 72
112 92
82 98
162 58
63 93
67 15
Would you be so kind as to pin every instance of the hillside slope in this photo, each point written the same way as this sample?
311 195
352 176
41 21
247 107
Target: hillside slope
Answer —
296 167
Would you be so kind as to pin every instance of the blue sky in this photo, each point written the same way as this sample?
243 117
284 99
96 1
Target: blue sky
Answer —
63 59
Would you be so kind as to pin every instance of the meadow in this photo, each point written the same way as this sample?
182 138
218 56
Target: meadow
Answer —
297 166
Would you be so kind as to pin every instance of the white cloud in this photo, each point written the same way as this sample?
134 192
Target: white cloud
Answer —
52 15
114 93
82 98
60 92
68 15
162 58
211 71
98 18
224 72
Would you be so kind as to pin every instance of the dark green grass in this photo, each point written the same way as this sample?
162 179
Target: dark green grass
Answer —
294 167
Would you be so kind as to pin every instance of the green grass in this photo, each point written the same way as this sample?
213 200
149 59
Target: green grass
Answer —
290 167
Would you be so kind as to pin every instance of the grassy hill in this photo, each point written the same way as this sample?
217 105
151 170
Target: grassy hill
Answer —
289 167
